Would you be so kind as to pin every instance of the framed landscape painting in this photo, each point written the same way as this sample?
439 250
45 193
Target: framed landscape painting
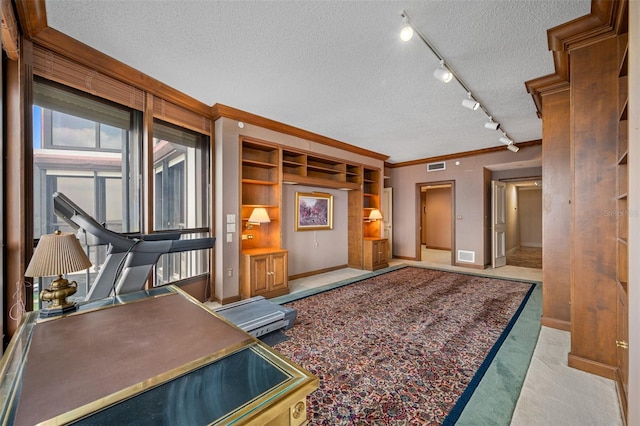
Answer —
314 211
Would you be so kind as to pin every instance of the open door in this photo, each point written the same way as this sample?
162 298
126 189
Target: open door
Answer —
498 225
387 218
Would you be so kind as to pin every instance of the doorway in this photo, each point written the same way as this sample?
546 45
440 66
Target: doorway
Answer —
523 222
435 236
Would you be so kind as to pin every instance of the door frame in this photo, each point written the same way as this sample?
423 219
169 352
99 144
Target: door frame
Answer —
498 224
418 230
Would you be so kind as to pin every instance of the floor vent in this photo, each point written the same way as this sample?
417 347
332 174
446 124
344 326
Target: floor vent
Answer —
466 256
433 167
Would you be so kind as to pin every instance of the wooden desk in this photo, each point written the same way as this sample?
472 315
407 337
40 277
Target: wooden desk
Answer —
161 355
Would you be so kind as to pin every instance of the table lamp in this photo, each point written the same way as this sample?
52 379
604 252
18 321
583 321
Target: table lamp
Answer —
258 215
57 254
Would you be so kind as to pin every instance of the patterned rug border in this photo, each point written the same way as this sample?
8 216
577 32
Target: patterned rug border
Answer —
462 401
458 408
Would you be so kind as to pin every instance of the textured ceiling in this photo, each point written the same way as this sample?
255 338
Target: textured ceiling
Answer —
338 68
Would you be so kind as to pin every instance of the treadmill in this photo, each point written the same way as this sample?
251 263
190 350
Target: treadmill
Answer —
130 259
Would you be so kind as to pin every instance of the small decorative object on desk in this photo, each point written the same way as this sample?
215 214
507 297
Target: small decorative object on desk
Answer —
57 254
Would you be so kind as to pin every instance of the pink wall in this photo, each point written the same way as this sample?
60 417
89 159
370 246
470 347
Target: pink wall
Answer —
470 197
437 218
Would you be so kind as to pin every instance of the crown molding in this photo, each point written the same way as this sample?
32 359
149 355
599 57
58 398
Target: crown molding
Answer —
219 110
607 18
461 154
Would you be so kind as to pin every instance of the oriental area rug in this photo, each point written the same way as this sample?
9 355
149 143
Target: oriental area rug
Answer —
402 347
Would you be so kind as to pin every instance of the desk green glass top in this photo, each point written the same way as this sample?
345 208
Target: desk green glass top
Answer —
151 360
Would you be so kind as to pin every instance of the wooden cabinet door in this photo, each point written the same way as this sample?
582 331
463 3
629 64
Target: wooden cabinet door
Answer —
381 252
278 271
260 276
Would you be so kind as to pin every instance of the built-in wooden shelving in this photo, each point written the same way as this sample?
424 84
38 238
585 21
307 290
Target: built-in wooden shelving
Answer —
260 183
622 217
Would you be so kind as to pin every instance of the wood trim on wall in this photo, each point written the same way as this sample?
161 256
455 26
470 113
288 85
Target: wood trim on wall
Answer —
605 20
10 32
460 155
219 110
18 189
33 20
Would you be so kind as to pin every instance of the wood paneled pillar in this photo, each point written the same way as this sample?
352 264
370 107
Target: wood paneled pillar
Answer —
556 209
594 120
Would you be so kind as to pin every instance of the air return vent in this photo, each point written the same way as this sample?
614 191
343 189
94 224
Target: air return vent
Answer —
433 167
466 256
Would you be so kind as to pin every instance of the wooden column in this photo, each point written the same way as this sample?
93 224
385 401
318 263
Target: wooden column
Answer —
556 209
19 186
594 118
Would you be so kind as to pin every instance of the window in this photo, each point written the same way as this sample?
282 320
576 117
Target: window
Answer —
181 176
89 150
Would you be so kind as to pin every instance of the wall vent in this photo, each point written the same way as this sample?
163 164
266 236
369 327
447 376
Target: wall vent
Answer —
433 167
466 256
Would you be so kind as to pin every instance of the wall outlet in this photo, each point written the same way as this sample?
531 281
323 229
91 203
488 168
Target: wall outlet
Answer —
230 272
247 236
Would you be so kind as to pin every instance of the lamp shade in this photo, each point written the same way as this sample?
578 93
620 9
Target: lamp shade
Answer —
57 254
375 215
259 215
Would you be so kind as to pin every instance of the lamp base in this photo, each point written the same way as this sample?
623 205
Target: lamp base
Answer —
58 311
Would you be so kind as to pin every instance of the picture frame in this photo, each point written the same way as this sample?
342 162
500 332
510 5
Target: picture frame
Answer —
314 211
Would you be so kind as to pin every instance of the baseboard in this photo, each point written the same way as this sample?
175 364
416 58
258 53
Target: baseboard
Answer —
622 396
593 367
512 250
556 323
405 257
532 245
227 300
469 265
437 248
316 272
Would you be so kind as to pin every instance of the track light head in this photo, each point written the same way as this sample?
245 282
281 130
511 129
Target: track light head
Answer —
513 148
406 33
443 74
491 125
505 140
470 103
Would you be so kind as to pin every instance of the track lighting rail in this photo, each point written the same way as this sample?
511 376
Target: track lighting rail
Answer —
469 101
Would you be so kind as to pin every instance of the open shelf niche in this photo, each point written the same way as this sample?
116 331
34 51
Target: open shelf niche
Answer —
260 180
